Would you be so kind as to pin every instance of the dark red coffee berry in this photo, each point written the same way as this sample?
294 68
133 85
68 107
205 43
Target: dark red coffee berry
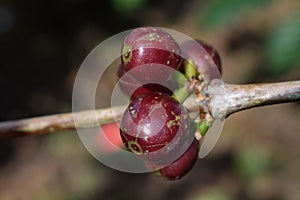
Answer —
150 50
154 121
133 88
183 164
204 57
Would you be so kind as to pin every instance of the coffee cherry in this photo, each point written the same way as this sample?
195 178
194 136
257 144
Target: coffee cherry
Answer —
150 50
205 59
183 164
154 121
133 88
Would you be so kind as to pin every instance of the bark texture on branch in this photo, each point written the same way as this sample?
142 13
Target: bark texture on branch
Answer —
225 100
233 98
59 122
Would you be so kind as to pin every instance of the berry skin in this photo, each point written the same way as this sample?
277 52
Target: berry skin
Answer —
132 88
152 122
182 165
150 50
205 59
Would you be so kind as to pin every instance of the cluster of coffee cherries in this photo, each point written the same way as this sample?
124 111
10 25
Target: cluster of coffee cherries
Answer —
156 126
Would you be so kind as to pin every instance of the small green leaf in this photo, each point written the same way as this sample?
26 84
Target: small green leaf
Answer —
190 69
203 127
180 94
180 79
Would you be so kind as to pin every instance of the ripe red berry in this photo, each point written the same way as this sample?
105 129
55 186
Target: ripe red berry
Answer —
183 164
150 50
204 57
152 122
133 88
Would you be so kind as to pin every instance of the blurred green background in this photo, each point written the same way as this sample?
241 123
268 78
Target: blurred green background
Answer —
42 44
